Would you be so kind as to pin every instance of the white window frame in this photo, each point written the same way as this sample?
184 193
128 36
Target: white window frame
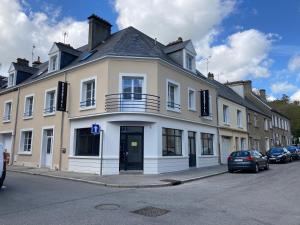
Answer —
192 107
45 102
81 93
21 142
4 111
255 120
239 118
13 83
187 53
58 56
226 115
266 125
25 106
176 96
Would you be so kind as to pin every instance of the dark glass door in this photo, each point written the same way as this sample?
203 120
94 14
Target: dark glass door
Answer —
131 148
192 149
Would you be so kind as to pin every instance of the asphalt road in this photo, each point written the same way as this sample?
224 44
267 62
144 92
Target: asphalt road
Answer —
269 197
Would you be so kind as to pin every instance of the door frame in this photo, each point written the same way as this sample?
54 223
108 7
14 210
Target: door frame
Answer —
9 132
230 139
195 143
42 153
133 133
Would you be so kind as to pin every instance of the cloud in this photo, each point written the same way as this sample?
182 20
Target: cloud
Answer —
244 53
21 28
295 96
283 87
294 63
271 98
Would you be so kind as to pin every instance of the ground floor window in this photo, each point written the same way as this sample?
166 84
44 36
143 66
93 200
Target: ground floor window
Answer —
87 144
172 142
207 144
243 143
26 141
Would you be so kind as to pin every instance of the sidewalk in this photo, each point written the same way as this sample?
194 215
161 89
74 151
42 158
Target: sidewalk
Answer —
126 180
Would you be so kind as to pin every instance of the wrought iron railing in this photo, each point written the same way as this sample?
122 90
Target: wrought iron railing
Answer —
49 110
132 102
28 114
6 117
174 106
87 103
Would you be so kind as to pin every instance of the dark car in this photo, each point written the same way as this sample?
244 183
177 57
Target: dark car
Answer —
279 154
294 151
3 162
247 160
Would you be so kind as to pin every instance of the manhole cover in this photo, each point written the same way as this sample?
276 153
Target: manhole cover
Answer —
151 211
107 207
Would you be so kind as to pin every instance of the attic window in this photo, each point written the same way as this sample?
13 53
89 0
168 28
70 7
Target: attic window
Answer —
11 80
88 55
189 61
53 63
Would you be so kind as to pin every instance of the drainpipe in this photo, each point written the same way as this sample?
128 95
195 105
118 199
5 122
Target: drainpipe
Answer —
62 122
218 131
15 130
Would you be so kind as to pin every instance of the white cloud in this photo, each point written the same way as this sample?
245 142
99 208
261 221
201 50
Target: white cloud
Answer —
295 96
294 63
20 30
271 98
283 87
244 53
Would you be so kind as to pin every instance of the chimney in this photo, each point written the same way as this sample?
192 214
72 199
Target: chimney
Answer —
99 31
23 62
37 62
262 93
210 76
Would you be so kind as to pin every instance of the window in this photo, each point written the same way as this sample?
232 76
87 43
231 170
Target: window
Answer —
87 144
255 120
88 92
53 63
248 118
11 80
239 118
7 111
132 87
276 122
173 102
243 143
270 125
192 99
189 61
225 114
49 108
26 141
207 144
172 142
28 107
266 124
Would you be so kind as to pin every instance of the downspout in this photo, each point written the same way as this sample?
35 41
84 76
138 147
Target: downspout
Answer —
218 132
15 129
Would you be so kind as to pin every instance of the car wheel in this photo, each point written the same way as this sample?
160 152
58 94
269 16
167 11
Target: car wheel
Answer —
256 169
267 166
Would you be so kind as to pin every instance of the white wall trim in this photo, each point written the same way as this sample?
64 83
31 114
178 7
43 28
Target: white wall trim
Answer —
24 111
4 110
45 101
21 152
194 103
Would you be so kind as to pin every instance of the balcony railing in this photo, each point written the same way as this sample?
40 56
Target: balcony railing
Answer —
49 110
132 102
6 118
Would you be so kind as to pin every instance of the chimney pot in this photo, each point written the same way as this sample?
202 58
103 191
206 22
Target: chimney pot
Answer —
23 62
262 93
37 62
210 76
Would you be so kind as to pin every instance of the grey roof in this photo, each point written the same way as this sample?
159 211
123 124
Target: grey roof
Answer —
67 48
27 69
176 47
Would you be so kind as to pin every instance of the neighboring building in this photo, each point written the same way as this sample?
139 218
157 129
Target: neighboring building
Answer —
259 116
233 134
156 112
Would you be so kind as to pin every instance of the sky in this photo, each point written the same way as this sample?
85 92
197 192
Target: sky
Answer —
239 39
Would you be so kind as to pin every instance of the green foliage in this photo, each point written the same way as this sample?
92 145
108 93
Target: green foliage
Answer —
292 111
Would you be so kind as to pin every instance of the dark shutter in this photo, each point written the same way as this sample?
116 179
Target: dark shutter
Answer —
204 97
61 101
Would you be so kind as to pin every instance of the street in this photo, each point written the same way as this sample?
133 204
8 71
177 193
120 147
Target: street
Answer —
269 197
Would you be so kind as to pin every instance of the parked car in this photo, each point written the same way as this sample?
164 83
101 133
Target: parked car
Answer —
3 162
279 154
294 151
247 160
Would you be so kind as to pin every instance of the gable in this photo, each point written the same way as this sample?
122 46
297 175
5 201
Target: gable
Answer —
190 48
11 68
54 49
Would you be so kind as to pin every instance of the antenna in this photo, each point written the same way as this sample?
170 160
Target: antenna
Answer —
65 34
207 61
32 52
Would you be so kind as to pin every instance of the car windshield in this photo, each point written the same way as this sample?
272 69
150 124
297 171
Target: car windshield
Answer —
291 148
240 154
276 150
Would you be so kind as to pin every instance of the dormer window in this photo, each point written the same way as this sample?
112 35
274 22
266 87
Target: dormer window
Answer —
189 61
11 80
53 66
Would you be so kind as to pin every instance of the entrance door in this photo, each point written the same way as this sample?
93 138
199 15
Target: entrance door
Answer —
5 140
131 148
192 149
47 148
226 145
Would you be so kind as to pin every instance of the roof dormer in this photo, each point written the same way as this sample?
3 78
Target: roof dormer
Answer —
183 53
60 56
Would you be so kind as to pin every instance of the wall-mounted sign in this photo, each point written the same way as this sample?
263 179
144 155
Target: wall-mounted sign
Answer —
134 144
95 129
204 97
62 92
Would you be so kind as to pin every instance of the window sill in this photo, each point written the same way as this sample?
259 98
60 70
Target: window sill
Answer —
49 114
87 108
192 110
207 117
226 124
28 118
83 157
173 110
6 121
25 153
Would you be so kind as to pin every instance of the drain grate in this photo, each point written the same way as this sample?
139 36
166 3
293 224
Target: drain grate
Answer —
151 211
107 207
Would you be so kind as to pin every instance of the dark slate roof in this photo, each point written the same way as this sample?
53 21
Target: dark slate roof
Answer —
67 48
176 47
26 69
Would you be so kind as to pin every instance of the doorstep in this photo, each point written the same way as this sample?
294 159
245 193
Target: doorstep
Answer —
128 180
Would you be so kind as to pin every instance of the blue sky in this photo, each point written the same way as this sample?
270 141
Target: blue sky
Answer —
264 33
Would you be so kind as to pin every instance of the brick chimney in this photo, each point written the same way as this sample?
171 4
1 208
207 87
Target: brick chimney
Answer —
262 93
99 31
23 62
210 76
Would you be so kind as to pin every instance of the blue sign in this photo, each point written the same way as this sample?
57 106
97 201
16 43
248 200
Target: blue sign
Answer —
95 129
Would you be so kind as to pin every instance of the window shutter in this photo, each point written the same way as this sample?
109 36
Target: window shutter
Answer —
204 104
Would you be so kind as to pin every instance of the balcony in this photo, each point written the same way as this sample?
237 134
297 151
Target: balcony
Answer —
132 102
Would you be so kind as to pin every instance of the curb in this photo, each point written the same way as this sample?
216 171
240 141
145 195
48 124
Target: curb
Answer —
168 184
